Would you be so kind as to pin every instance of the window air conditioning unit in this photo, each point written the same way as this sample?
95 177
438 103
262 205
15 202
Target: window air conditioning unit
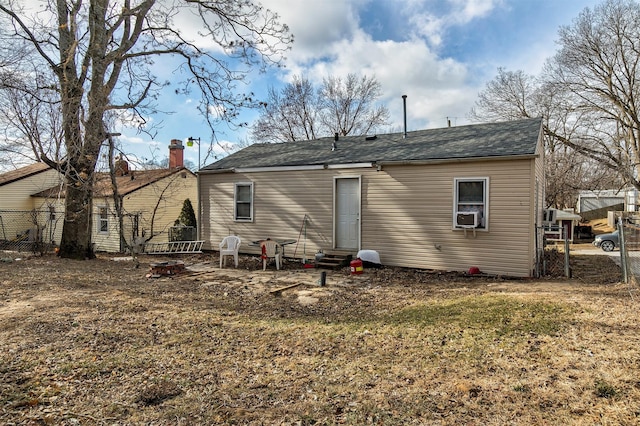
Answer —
468 219
550 216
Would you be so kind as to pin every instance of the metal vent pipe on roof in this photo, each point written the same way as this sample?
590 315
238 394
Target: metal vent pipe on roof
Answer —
404 103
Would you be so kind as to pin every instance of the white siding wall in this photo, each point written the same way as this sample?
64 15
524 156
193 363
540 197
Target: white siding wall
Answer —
407 214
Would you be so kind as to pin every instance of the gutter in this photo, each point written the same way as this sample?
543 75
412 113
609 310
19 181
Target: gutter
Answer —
289 168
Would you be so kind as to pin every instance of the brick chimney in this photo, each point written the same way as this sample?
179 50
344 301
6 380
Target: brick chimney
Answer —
121 167
176 154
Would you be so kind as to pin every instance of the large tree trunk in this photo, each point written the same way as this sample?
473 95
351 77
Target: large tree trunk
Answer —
78 223
96 41
80 176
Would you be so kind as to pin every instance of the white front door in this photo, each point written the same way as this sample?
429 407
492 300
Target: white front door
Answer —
347 213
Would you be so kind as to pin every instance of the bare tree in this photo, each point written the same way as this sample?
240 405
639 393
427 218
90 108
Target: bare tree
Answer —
511 95
289 115
596 73
101 54
32 124
516 95
301 112
348 106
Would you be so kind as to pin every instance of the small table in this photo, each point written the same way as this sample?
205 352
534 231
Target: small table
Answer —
281 243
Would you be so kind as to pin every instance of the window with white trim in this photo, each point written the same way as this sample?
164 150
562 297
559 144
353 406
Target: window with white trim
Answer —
243 200
471 202
103 220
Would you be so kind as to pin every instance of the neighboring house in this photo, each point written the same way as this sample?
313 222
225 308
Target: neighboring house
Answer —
561 224
17 185
443 199
596 204
151 199
22 217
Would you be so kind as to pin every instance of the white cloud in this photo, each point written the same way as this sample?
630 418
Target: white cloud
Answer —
223 147
216 111
134 140
435 87
316 25
467 10
431 19
333 44
127 119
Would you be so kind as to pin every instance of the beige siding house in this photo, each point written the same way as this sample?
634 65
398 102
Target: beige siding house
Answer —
17 186
151 199
151 202
20 213
443 199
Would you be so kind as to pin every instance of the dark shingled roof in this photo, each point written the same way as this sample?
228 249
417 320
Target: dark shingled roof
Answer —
512 138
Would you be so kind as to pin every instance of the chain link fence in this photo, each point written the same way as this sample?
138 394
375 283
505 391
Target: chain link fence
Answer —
40 231
36 231
183 233
553 254
629 236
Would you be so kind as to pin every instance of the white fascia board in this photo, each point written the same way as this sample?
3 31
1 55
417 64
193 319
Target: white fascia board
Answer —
350 166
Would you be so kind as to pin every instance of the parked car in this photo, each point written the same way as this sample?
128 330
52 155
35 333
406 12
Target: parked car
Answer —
607 242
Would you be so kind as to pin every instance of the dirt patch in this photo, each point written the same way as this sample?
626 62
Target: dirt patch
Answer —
97 343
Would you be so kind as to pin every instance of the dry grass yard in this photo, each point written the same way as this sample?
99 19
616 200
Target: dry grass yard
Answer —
99 343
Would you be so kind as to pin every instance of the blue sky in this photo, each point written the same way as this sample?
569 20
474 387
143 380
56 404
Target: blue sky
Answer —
440 53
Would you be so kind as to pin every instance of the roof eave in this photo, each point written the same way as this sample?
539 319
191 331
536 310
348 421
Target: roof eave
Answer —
290 168
456 160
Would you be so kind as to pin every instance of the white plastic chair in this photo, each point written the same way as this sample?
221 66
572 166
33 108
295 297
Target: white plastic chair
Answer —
229 247
270 250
